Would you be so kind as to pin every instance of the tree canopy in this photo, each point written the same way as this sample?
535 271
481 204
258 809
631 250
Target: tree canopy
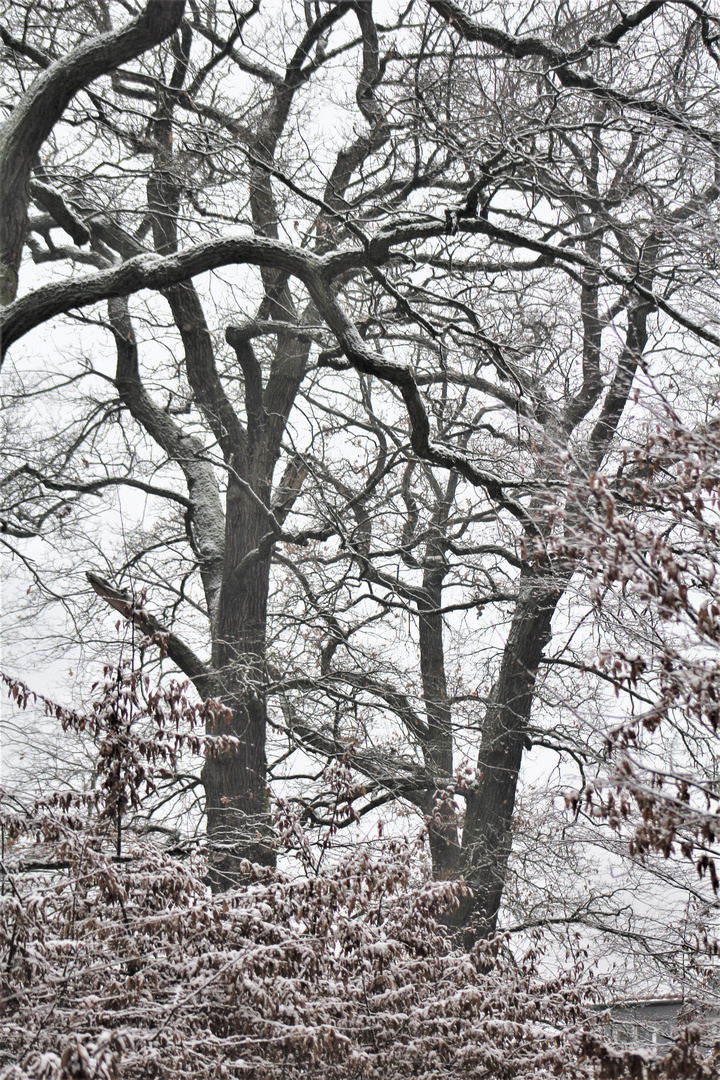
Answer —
362 360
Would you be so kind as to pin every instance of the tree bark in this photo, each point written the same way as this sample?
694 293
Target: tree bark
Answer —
438 747
487 835
235 783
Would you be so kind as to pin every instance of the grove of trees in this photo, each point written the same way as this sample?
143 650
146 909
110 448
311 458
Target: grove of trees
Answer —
360 368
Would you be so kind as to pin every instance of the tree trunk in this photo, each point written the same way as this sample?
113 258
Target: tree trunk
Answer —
487 835
238 821
438 748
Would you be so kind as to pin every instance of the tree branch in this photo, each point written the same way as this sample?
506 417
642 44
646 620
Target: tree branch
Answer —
42 106
181 654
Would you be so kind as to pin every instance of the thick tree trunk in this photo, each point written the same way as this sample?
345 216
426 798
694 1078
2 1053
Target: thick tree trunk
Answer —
487 834
238 821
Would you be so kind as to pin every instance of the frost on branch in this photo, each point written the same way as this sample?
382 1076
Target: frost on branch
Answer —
348 974
81 1060
128 966
649 542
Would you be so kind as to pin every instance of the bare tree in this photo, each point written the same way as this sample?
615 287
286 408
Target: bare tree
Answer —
450 256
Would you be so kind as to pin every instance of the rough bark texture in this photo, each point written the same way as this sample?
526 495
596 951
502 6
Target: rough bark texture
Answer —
237 804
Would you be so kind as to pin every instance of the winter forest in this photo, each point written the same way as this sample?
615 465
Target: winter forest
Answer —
360 532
